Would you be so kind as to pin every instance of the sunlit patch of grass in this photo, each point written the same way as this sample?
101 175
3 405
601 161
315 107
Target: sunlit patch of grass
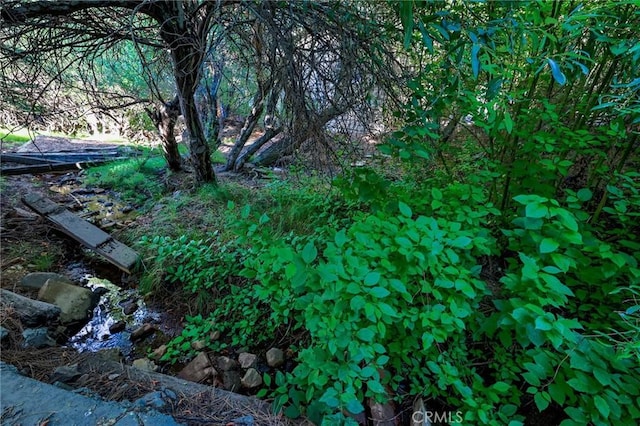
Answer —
137 180
12 139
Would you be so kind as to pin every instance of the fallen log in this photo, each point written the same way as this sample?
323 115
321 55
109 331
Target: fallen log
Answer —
82 231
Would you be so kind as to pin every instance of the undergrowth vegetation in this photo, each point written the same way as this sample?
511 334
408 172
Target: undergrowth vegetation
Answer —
499 278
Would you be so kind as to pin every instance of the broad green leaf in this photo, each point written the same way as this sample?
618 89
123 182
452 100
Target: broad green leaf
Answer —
405 209
366 334
340 238
380 292
508 122
542 400
548 245
354 406
357 303
372 278
461 242
436 194
375 386
602 406
536 210
309 252
562 262
584 194
557 393
501 387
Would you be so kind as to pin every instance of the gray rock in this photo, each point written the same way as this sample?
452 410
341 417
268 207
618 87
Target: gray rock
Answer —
35 401
65 374
247 360
224 363
231 381
198 345
75 302
30 312
37 338
198 370
275 357
159 352
4 333
145 364
143 331
382 414
251 379
36 280
154 400
214 335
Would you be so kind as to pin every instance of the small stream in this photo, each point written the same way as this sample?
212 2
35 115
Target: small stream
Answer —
95 335
120 304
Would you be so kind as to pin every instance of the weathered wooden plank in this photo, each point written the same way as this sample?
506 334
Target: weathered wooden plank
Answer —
82 231
48 168
25 159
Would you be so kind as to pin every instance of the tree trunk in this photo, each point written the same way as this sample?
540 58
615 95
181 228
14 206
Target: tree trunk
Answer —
285 146
164 119
187 59
269 134
247 129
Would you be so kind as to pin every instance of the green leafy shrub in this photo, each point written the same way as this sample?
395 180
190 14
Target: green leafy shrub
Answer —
196 264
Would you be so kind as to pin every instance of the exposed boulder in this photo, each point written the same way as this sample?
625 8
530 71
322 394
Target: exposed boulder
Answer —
36 280
37 338
75 302
30 312
198 370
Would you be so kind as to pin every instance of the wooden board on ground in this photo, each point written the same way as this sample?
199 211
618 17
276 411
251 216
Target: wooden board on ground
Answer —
82 231
48 168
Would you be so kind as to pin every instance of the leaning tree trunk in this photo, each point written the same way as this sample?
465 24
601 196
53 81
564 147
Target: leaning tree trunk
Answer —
269 134
164 119
187 59
249 124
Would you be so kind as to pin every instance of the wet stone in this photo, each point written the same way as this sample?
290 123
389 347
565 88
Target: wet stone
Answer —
143 331
117 327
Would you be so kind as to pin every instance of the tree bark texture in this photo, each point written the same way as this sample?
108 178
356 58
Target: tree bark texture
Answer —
164 119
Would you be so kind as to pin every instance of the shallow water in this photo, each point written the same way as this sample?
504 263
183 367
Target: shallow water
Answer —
95 335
